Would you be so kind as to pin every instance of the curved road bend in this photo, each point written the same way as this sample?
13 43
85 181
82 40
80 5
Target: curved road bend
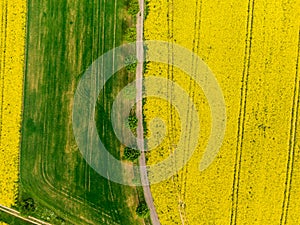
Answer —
139 113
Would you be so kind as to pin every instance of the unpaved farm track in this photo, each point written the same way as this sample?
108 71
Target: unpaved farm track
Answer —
139 113
16 214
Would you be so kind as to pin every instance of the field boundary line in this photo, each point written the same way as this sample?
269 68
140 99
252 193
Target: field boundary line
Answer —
38 221
292 143
242 113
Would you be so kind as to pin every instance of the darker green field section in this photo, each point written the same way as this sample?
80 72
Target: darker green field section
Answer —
63 39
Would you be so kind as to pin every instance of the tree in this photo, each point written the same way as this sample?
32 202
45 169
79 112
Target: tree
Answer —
133 7
133 122
130 63
131 154
27 205
142 210
146 13
130 34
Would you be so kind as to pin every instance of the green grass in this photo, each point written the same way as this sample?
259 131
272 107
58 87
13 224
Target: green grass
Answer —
63 39
11 220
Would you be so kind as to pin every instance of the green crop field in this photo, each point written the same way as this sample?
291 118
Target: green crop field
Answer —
63 39
9 219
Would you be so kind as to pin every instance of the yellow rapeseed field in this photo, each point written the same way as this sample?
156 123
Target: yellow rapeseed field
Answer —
252 49
12 24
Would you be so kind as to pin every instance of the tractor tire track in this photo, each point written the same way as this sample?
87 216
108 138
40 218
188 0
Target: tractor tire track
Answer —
192 87
2 62
242 114
170 88
292 144
16 214
172 123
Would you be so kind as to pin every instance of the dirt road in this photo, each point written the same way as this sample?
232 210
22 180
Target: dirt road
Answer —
139 114
17 214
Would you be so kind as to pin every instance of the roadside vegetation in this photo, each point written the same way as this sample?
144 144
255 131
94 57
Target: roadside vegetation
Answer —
142 210
132 7
6 219
131 154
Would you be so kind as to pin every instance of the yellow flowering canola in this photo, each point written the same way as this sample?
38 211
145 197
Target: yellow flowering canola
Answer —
12 24
252 49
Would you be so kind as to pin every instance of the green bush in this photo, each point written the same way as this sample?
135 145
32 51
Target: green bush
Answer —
131 154
130 63
133 7
133 122
27 206
142 210
130 34
146 13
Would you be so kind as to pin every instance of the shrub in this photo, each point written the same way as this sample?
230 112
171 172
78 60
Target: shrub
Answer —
27 205
133 7
130 34
130 63
133 122
142 210
131 154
